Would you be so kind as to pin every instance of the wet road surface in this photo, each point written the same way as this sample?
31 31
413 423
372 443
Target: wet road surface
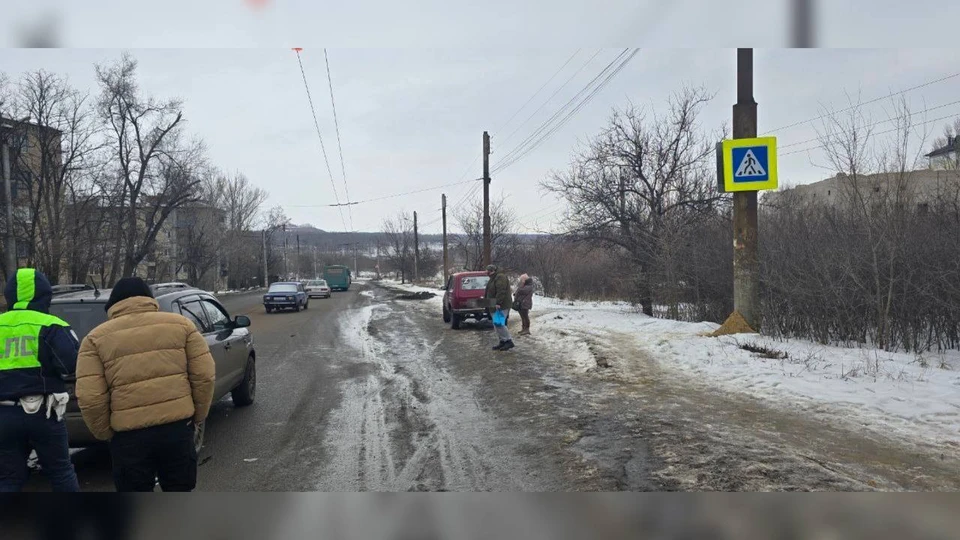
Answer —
369 391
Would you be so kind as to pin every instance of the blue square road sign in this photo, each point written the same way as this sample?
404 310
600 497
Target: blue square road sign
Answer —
750 164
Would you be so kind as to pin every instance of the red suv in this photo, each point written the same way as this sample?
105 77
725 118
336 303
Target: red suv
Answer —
464 298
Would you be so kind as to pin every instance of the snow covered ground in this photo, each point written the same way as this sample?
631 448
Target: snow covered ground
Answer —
913 398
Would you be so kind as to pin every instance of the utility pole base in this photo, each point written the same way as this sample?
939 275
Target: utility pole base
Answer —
735 324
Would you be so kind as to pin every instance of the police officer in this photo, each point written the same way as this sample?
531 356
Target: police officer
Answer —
37 350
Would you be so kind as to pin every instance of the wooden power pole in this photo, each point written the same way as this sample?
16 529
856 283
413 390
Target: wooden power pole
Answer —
746 275
416 250
486 199
446 263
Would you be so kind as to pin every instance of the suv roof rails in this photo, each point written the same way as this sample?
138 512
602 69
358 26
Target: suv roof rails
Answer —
70 287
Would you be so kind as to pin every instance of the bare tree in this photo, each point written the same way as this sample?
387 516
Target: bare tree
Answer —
469 243
398 240
64 142
157 169
641 183
868 265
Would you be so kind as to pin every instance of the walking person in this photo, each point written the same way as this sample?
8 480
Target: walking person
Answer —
37 351
498 291
144 381
523 302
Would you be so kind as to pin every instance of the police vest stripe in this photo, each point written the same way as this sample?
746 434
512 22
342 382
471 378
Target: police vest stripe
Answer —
20 336
26 287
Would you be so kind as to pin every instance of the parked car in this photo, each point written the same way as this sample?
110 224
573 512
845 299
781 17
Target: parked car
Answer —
229 339
464 298
71 287
285 295
317 288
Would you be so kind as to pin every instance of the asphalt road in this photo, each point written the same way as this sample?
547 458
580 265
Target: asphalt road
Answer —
370 391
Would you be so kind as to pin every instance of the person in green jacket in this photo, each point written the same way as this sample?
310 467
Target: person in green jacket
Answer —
498 290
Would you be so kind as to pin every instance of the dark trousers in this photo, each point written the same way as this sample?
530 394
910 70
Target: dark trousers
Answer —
165 453
19 432
525 318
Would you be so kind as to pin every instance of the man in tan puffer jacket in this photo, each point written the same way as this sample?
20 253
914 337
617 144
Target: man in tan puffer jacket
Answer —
144 379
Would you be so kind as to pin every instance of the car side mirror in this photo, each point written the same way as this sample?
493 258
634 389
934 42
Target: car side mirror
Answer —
241 321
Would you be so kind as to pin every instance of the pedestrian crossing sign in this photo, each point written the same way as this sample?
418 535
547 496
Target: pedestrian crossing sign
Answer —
749 164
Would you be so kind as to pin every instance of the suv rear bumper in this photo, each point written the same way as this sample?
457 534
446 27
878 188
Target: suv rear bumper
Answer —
477 313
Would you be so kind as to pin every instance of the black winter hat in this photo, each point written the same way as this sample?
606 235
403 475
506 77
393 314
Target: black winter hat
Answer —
128 287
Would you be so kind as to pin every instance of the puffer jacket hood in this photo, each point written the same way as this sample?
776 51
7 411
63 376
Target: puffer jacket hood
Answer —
28 289
134 304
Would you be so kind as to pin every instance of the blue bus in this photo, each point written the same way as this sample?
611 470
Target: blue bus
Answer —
337 277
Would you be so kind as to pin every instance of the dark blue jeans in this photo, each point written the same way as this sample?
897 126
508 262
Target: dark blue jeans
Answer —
19 432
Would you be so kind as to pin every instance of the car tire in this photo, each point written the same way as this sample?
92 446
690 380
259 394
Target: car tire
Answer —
455 321
244 394
296 308
269 310
306 305
446 315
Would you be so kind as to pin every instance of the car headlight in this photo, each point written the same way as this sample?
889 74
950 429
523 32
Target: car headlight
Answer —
289 298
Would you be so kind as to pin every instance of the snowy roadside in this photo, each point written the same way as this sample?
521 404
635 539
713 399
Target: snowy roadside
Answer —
903 396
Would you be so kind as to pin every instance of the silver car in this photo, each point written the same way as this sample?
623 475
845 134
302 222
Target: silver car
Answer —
229 339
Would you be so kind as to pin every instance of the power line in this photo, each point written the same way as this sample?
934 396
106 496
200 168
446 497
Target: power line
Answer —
383 198
878 122
551 122
942 118
551 125
535 94
824 115
336 123
316 124
553 95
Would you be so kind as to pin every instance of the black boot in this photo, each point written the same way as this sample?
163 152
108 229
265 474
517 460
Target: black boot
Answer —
507 345
500 346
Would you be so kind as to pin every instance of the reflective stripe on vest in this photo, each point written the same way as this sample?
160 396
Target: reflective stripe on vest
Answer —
26 287
20 335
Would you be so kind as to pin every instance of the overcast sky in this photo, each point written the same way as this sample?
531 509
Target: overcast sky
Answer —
413 118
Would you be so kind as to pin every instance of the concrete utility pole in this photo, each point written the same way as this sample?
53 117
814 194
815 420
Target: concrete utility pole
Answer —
298 257
11 247
416 250
286 271
746 275
378 259
446 263
316 275
266 272
486 200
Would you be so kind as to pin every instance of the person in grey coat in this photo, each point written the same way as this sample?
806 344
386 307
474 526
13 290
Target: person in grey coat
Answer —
523 302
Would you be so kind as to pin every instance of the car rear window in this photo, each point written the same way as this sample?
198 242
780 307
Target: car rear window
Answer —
283 288
82 318
474 283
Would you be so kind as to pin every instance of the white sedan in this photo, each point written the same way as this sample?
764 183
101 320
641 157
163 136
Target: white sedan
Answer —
317 288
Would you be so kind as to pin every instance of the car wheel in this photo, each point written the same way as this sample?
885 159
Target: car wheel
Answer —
198 430
446 315
296 307
306 304
244 394
269 310
455 321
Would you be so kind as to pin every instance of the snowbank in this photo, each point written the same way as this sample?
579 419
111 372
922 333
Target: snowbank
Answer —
911 397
